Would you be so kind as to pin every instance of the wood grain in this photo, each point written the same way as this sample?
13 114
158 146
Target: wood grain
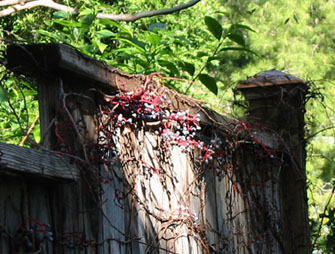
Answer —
46 164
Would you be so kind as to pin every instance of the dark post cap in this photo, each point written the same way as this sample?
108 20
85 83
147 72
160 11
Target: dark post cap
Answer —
269 78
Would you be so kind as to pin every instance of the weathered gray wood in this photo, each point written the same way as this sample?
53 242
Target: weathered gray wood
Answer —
114 211
10 217
62 60
38 203
278 101
21 202
49 102
39 163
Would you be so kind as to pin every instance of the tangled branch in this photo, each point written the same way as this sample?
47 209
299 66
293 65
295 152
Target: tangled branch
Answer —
19 5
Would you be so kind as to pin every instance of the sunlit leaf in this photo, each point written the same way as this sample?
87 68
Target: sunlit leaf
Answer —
214 27
51 35
37 134
117 25
29 92
154 39
68 23
61 14
101 46
105 33
209 82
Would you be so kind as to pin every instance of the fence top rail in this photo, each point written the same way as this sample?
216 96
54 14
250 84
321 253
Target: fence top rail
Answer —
59 60
37 163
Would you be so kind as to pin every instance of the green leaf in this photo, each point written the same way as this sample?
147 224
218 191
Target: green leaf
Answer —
234 26
51 35
209 82
213 58
117 25
37 134
105 33
188 67
238 38
157 27
29 92
181 40
85 12
61 14
170 66
68 23
2 95
202 54
138 45
88 19
239 49
101 46
214 27
154 39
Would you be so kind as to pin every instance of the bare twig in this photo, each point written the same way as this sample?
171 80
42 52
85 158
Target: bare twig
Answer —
29 130
146 14
11 2
17 6
320 131
331 195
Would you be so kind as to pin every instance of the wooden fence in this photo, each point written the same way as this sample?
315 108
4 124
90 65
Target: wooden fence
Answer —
129 166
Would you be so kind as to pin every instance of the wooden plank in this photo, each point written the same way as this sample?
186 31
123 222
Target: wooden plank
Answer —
63 60
45 164
37 201
48 98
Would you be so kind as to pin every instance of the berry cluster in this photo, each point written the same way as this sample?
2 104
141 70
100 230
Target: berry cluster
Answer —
44 229
138 106
133 109
31 239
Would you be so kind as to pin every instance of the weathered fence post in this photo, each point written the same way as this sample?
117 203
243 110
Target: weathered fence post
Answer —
277 100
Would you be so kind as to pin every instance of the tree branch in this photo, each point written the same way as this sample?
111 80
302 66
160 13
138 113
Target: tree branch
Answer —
17 5
146 14
11 2
37 3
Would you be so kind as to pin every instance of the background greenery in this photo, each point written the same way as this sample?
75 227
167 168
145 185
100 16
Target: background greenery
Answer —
216 44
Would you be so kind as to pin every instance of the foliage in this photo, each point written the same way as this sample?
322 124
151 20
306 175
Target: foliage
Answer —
18 108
